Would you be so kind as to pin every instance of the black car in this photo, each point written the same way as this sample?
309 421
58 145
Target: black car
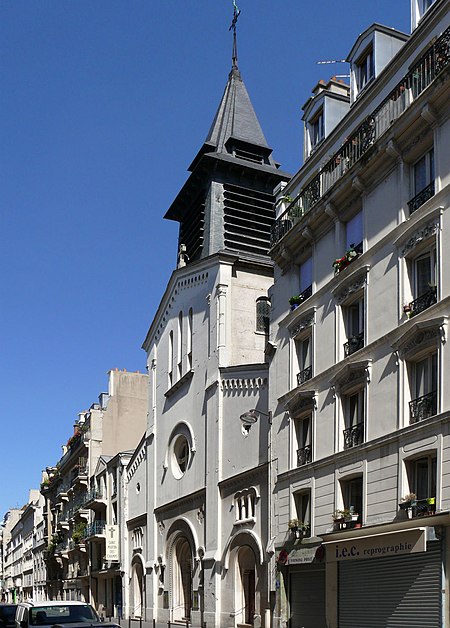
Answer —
7 615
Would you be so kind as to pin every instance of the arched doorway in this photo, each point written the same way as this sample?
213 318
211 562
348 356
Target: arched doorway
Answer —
181 580
245 590
137 588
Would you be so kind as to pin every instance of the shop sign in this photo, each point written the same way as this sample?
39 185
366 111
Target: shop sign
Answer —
112 542
377 545
302 556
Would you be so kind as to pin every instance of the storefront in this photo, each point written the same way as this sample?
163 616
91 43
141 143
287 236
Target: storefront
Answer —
304 577
388 580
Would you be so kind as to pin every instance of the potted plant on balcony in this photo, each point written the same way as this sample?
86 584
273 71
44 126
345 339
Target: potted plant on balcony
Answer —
407 309
295 301
298 528
348 257
407 502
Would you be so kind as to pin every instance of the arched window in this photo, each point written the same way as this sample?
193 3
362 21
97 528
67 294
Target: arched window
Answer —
263 315
170 369
190 337
180 344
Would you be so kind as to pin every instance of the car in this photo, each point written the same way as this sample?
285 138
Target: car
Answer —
55 613
7 615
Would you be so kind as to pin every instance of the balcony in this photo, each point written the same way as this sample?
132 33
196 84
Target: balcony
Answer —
421 198
423 407
80 478
95 529
304 375
304 455
354 343
353 436
422 303
94 500
421 75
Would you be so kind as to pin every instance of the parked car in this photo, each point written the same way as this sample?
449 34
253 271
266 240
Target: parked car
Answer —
56 613
7 615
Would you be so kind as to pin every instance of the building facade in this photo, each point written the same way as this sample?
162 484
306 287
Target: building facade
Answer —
201 554
75 506
361 300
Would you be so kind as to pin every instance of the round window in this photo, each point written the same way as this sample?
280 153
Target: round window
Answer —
180 458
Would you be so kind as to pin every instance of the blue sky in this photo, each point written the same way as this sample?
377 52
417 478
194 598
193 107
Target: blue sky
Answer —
104 105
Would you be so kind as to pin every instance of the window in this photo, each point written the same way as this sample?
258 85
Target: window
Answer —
352 495
306 278
302 503
422 473
303 440
365 69
244 505
181 451
422 181
354 410
180 345
263 315
424 384
424 288
317 129
304 359
170 369
190 337
354 233
353 314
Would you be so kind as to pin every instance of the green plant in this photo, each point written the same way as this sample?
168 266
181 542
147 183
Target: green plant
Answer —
344 514
348 257
78 533
297 524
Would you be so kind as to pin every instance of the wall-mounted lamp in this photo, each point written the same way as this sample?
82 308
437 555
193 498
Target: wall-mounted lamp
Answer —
252 416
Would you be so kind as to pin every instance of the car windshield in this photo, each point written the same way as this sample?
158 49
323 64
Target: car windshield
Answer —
7 612
61 614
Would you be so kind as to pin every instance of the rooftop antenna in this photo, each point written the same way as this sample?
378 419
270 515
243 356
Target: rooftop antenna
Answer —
236 14
331 62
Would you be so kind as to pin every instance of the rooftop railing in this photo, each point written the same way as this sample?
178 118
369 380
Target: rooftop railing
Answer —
420 76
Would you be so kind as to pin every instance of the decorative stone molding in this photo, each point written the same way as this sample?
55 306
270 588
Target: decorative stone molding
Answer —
306 321
353 376
191 281
348 290
245 383
141 456
420 337
425 232
303 401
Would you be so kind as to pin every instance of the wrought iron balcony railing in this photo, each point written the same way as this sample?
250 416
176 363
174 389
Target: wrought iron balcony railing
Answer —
421 198
420 76
304 455
354 343
304 375
95 528
353 435
423 407
423 302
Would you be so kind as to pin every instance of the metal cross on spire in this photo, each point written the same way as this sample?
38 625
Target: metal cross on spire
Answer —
236 14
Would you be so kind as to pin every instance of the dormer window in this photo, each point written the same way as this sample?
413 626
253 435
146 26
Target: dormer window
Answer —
317 129
365 69
418 10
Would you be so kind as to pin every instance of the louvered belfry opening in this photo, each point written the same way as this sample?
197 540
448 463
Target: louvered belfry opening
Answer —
248 215
192 230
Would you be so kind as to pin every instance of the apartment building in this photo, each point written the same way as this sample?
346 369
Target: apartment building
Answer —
360 308
75 521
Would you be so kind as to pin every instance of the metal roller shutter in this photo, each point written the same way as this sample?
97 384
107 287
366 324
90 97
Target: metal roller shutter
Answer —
403 591
307 599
